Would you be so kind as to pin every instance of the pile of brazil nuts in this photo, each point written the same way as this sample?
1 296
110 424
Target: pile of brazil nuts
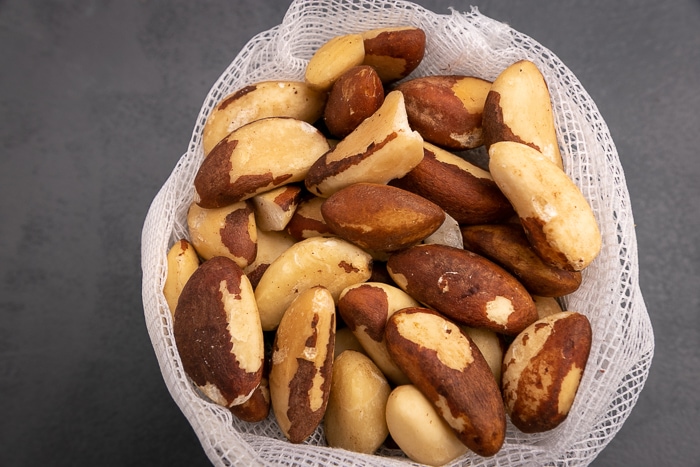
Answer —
348 265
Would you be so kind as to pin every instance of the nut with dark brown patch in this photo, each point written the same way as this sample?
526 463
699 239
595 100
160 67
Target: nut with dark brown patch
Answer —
307 221
356 95
218 334
447 109
465 191
270 246
542 370
229 231
302 362
448 368
519 108
257 408
557 218
463 286
275 208
258 157
366 308
382 148
182 263
394 51
331 262
293 99
381 217
508 246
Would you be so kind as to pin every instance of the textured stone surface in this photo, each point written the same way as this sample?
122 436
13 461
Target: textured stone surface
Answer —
97 102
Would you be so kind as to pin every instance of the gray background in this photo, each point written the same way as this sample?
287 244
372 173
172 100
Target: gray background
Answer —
97 102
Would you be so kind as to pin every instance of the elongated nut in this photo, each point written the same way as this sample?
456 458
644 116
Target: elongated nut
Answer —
257 408
463 286
307 221
270 246
448 368
465 191
229 231
331 262
491 347
546 306
218 334
400 220
519 108
275 208
356 413
302 362
182 263
557 219
447 109
277 98
366 308
542 370
332 59
355 96
258 157
394 51
508 246
382 148
419 430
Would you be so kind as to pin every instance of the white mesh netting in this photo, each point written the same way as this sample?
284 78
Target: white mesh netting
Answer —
459 43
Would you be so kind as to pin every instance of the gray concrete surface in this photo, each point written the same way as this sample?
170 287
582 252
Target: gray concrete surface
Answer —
97 103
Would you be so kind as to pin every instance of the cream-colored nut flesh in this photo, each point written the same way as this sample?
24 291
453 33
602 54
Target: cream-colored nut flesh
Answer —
258 157
182 263
381 148
302 361
419 430
490 346
558 220
332 59
355 417
331 262
229 231
519 108
394 51
293 99
275 208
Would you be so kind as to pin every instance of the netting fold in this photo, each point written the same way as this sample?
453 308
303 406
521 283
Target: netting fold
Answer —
466 43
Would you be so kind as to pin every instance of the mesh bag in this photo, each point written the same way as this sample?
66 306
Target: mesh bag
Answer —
459 43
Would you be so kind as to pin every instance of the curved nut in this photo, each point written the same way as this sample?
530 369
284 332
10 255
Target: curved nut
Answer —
331 262
519 108
302 362
229 231
218 334
400 220
465 191
355 96
382 148
270 246
278 98
448 368
182 263
355 417
257 408
447 109
508 246
557 219
258 157
275 208
308 221
463 286
394 51
332 59
542 370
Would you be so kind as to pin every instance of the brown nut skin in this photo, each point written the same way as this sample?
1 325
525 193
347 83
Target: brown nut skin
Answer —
307 221
302 363
257 408
542 370
381 217
356 95
463 286
394 51
448 368
218 333
508 246
465 191
447 109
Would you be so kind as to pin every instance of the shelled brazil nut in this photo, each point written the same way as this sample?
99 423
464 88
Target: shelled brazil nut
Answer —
350 191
